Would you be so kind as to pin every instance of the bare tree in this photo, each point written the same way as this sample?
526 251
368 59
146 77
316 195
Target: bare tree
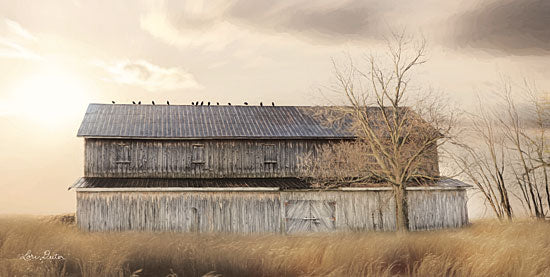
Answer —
512 159
484 162
527 137
397 134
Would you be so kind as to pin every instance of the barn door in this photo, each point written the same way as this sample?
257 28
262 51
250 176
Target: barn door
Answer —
324 214
296 212
309 216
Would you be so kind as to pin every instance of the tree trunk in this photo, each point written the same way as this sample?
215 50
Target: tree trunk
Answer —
401 208
504 199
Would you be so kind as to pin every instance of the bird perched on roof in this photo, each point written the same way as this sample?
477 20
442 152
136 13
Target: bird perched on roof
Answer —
202 102
139 103
208 103
246 103
218 103
113 102
197 103
261 104
153 102
192 103
229 104
134 102
273 104
167 102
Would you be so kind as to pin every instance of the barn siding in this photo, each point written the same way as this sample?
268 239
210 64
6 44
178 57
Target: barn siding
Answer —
174 159
355 210
241 212
256 212
435 209
222 158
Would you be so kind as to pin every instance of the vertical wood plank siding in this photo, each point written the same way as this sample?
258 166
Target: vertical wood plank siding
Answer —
237 212
437 209
259 212
177 159
205 158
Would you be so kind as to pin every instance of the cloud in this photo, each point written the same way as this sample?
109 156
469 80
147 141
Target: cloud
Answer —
10 49
13 37
511 26
216 24
332 20
217 36
507 26
16 28
149 76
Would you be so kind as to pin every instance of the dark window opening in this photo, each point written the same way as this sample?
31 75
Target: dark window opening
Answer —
270 156
123 154
198 154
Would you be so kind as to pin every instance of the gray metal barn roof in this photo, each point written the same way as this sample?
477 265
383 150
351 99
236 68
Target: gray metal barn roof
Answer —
283 183
187 122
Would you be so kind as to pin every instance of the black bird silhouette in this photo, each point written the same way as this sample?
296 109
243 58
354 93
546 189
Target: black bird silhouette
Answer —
197 103
202 102
113 102
218 103
273 104
139 103
167 102
229 104
192 103
208 103
246 103
153 102
134 102
261 104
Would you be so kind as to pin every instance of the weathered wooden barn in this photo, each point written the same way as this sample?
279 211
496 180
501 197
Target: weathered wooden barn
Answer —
231 169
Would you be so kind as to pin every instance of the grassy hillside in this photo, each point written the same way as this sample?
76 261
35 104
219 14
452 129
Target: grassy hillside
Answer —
486 248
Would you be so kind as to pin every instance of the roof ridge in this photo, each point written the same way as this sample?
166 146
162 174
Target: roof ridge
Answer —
220 122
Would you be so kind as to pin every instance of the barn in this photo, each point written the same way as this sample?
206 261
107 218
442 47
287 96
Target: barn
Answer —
232 169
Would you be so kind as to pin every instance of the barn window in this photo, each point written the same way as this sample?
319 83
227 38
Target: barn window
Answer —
123 154
198 154
270 156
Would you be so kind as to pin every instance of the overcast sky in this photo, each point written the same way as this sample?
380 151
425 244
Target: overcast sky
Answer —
57 56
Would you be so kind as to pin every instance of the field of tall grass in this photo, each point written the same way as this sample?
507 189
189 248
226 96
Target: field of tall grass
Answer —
486 248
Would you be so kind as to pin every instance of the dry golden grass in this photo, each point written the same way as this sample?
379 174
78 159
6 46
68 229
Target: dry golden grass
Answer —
486 248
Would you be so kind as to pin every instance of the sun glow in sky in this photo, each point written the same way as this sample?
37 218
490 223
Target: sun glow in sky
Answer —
49 96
